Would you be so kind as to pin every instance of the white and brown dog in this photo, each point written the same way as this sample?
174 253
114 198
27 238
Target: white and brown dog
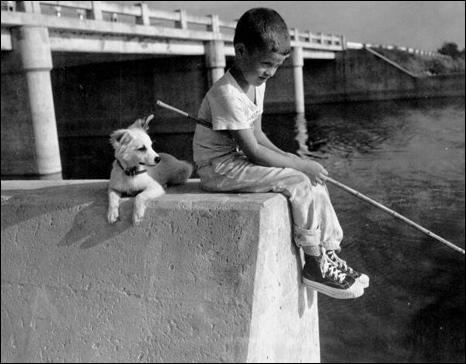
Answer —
139 171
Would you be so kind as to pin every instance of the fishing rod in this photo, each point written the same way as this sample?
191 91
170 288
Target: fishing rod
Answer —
340 185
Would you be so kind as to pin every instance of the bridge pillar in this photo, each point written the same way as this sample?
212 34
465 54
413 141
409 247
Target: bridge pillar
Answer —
298 63
33 46
215 60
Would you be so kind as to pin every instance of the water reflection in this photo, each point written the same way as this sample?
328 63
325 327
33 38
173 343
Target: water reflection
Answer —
303 139
343 129
354 128
301 134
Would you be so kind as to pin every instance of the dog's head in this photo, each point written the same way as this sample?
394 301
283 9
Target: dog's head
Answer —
133 145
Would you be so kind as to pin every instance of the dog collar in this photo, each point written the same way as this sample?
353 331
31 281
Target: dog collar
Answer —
131 172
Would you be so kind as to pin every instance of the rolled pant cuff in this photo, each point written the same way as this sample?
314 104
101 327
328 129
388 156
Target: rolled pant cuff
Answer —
305 237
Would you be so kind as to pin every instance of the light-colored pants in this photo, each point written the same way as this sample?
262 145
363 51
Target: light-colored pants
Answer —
314 219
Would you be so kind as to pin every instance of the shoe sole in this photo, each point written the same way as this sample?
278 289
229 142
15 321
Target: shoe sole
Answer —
355 291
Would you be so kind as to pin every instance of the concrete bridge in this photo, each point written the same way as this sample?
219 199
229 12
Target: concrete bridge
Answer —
37 36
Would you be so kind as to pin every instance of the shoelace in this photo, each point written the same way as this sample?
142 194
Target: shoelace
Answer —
340 263
327 266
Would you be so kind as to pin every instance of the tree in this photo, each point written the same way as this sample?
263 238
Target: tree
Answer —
450 49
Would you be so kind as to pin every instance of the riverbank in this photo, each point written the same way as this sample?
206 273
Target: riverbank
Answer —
423 65
361 75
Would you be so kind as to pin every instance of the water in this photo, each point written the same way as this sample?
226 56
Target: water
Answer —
407 155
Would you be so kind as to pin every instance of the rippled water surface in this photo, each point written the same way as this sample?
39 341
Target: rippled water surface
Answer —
409 156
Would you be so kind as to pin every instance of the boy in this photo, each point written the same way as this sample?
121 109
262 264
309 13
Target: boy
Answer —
236 156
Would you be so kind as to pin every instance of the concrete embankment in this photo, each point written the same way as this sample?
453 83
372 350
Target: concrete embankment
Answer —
205 278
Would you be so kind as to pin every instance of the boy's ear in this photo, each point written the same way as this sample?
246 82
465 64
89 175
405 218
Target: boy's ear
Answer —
240 49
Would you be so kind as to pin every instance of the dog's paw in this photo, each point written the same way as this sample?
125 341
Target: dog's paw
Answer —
112 215
137 218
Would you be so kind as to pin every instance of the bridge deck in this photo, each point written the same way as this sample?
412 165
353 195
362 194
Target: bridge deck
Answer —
105 27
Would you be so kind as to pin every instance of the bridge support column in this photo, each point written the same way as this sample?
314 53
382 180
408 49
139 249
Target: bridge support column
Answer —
33 46
298 63
215 60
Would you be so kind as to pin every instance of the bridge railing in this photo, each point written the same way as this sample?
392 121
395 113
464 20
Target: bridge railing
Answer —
355 45
319 39
143 15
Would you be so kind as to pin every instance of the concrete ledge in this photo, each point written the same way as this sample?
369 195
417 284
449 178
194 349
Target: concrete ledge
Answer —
205 278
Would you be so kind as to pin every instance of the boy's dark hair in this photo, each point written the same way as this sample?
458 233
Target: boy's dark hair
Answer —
263 29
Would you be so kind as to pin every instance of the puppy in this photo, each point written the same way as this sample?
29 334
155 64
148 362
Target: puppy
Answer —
139 171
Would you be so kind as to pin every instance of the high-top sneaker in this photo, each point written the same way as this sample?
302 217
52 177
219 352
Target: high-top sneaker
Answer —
321 274
343 266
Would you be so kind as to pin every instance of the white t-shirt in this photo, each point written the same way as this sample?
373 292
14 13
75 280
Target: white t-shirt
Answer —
227 107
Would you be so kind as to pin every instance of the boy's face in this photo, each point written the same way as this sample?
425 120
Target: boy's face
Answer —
258 66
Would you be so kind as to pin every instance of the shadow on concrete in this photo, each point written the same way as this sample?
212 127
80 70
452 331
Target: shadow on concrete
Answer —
85 202
304 292
90 226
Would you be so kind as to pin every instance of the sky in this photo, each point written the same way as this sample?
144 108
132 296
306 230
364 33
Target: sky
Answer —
423 25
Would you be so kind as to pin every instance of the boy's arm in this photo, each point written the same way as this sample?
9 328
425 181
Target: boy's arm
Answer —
262 155
263 140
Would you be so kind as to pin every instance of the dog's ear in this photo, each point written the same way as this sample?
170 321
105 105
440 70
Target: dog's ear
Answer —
142 123
120 138
145 124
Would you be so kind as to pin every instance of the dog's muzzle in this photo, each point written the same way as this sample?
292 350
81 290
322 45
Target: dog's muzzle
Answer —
156 161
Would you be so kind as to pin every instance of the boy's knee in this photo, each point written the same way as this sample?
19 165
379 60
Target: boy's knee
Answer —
317 188
318 191
298 181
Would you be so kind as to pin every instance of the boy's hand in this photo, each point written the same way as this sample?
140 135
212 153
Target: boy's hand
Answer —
315 172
